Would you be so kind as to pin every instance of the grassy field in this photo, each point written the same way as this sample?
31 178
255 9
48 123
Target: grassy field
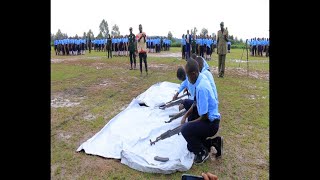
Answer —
100 88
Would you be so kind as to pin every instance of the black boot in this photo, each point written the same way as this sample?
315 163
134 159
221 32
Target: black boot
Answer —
218 144
201 157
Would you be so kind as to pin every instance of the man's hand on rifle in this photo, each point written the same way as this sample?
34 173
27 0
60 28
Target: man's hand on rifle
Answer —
175 97
181 106
183 120
185 90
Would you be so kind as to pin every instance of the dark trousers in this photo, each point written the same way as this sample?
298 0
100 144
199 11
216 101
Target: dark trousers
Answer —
183 51
187 103
201 51
193 49
254 50
221 64
133 56
187 51
109 52
260 50
143 56
196 133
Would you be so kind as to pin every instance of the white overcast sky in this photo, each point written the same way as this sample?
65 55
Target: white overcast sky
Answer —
244 18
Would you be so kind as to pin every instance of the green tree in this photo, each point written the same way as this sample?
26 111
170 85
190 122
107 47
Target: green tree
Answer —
104 28
100 36
65 36
170 35
84 35
115 30
195 30
59 35
204 31
90 34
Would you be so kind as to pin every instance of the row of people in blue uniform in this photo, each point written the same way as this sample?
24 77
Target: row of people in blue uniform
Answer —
119 45
201 45
259 44
70 46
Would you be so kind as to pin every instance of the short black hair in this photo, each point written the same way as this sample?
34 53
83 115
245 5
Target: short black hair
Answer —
181 73
194 56
199 61
190 58
192 66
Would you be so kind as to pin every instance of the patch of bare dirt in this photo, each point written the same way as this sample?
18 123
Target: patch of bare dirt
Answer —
161 66
89 117
71 58
61 102
165 54
105 83
56 60
64 136
65 99
243 72
250 61
253 97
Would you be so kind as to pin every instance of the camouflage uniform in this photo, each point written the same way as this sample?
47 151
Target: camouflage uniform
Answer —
222 50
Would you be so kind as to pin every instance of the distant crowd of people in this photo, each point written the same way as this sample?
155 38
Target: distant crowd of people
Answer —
259 44
70 46
201 45
119 45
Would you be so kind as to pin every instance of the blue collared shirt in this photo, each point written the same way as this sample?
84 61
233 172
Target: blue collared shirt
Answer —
212 83
189 86
206 102
205 65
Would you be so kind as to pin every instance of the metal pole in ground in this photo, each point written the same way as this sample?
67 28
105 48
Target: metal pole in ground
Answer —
247 58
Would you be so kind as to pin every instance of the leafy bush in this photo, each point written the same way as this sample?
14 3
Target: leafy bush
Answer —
176 44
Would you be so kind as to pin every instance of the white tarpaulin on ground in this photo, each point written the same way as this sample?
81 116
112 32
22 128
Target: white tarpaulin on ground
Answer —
127 135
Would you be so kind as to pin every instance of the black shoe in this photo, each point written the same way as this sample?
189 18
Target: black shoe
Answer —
218 144
201 157
131 68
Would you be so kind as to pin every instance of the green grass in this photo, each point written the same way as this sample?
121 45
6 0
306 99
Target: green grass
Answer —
244 108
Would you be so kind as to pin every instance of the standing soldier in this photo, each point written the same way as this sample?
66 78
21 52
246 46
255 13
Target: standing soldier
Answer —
193 43
89 43
183 46
142 48
188 44
109 44
56 46
222 40
132 48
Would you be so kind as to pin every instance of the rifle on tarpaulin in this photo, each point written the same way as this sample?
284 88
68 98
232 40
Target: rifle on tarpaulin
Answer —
167 134
175 116
173 102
